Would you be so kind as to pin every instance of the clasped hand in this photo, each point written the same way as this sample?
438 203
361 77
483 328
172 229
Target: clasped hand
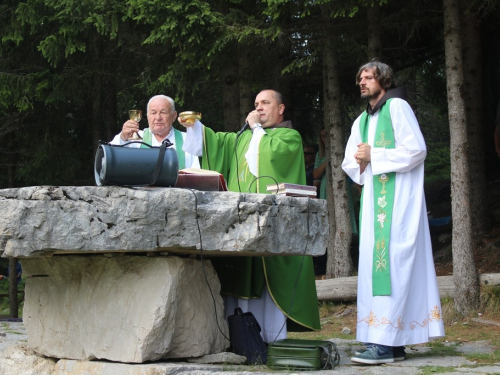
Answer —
363 153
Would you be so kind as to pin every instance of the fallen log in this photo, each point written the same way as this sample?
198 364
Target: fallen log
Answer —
345 288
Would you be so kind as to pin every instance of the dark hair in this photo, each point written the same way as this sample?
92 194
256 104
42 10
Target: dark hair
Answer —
313 146
382 73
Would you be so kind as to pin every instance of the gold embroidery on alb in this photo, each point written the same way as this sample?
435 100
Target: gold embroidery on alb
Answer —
372 320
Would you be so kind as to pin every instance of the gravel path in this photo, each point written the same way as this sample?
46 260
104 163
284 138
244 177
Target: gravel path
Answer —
16 359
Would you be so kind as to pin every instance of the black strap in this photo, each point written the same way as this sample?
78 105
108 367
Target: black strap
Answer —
159 162
125 144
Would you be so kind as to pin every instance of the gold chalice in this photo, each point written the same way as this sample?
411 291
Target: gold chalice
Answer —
190 117
136 115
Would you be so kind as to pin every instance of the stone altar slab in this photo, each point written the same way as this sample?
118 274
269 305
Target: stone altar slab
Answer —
47 220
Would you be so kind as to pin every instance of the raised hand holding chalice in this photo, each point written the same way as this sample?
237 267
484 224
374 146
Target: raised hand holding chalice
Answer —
135 115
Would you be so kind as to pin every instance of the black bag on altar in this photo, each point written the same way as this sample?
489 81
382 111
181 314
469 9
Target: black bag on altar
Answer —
244 333
120 165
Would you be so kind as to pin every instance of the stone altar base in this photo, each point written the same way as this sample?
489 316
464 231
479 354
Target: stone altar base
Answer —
123 308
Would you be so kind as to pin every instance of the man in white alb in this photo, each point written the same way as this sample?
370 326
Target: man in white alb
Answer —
398 297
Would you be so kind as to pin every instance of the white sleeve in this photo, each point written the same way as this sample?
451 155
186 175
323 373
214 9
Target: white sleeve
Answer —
349 164
191 160
193 143
117 140
410 148
253 149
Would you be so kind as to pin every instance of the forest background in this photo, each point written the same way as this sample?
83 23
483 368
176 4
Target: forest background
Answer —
71 69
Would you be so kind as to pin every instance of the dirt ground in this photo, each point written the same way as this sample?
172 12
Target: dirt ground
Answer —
487 245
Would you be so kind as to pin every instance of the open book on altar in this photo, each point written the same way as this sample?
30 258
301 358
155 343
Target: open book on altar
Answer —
201 179
293 190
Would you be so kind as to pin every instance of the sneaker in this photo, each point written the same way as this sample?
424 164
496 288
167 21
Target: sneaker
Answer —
374 355
397 351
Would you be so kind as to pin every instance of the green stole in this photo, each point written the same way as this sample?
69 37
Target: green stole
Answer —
383 201
147 137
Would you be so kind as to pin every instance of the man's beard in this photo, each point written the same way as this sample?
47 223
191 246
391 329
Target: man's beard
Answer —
372 95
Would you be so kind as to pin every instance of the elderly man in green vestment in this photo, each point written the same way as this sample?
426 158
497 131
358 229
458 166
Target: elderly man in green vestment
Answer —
161 115
279 291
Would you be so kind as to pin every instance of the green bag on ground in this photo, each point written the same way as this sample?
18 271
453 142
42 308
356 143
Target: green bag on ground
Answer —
295 354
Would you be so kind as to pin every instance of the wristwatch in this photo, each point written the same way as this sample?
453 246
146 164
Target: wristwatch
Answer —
256 125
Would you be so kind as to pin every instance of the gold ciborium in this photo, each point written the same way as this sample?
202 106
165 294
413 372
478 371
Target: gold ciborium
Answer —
190 117
136 115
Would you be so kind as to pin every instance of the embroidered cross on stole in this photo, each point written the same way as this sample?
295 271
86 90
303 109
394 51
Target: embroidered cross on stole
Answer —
179 141
383 202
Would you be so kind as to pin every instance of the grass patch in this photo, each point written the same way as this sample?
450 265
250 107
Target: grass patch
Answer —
334 317
430 370
436 350
463 328
484 358
4 301
490 301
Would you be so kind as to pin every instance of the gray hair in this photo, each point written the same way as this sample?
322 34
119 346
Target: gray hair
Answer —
167 98
382 72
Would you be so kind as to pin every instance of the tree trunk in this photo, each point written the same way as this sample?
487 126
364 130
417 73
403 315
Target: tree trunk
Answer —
339 262
231 95
13 301
96 95
464 272
283 84
346 288
374 39
245 89
110 108
490 62
473 106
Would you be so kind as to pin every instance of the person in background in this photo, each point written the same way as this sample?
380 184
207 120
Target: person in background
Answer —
398 297
161 115
319 175
309 159
19 271
320 165
280 291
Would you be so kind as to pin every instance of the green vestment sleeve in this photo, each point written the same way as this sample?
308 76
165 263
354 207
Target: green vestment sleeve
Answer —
280 159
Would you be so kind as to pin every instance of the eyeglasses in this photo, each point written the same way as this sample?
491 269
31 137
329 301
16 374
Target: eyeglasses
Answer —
309 153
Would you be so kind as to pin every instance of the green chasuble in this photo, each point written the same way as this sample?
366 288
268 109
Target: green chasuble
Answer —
280 156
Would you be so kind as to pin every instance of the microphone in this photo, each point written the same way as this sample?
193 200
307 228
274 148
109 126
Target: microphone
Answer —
245 127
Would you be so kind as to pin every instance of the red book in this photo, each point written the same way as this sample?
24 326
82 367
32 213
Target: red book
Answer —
201 179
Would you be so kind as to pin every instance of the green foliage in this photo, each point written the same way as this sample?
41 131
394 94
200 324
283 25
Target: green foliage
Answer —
437 162
69 69
4 289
